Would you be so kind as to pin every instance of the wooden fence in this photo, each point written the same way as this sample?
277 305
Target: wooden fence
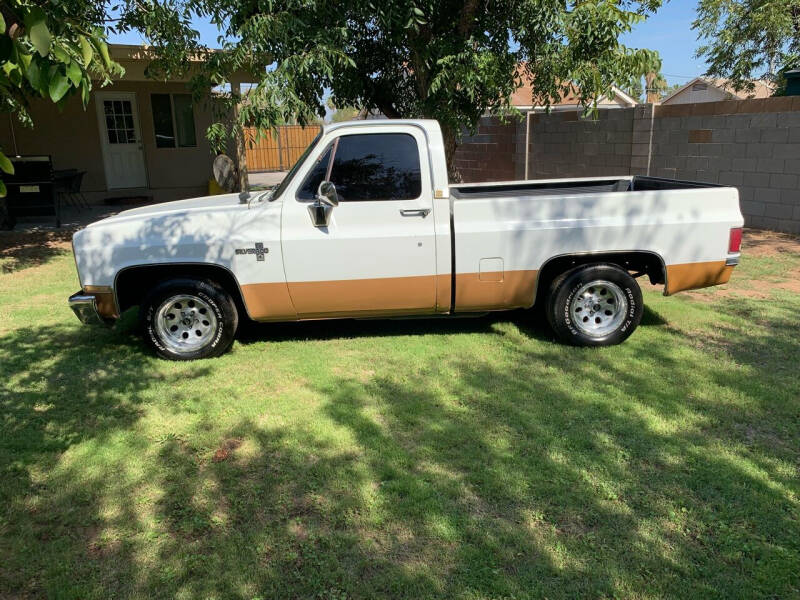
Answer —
278 150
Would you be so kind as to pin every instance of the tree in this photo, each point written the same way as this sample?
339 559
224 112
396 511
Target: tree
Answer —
668 91
51 50
345 113
636 91
444 59
748 39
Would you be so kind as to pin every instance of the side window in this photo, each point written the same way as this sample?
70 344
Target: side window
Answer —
376 166
308 191
173 113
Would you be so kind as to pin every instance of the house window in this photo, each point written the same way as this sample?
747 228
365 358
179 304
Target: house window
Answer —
173 120
119 121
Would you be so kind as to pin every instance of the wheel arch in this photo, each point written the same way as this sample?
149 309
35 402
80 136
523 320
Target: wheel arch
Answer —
642 261
133 282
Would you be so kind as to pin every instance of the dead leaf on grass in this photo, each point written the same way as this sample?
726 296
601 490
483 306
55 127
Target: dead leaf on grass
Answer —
226 449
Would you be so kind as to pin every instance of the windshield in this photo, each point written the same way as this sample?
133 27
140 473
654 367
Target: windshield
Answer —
290 175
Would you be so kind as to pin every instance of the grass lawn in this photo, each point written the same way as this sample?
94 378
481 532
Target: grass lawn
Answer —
471 458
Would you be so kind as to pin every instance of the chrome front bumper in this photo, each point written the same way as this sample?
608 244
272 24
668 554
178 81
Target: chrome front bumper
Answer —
85 308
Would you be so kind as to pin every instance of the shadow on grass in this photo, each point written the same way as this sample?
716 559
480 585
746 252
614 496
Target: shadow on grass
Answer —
532 322
541 471
21 250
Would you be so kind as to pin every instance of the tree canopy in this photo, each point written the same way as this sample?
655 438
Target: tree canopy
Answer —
444 59
745 40
51 50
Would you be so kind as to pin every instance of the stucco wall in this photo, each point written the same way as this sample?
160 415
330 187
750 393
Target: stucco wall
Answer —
72 137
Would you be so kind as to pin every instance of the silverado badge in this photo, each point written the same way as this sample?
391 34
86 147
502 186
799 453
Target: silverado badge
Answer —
259 251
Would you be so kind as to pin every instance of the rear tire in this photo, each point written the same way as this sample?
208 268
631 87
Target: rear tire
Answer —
188 319
594 305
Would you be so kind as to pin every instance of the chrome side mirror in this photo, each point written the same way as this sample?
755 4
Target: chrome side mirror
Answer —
326 192
320 211
320 214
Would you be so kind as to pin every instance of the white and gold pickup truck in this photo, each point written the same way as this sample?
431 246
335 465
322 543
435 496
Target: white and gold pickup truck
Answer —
367 225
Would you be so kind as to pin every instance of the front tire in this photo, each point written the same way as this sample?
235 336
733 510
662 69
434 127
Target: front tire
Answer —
595 305
187 319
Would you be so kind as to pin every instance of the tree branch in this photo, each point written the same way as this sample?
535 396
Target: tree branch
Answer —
467 20
796 23
387 108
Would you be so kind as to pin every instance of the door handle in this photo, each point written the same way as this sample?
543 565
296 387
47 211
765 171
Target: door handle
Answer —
415 212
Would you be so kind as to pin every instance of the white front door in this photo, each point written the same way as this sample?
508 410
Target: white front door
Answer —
121 140
378 254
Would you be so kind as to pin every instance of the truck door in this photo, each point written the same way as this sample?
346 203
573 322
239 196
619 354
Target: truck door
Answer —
377 254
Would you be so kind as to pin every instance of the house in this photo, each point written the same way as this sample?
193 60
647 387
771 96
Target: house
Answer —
522 99
703 89
137 138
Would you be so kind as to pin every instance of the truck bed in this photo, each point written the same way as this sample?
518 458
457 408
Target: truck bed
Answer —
571 187
507 232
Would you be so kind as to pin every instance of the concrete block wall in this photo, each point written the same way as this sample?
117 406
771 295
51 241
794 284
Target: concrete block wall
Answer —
751 144
642 146
563 145
495 153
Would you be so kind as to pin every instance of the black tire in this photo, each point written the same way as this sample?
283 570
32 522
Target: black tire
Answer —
208 307
621 299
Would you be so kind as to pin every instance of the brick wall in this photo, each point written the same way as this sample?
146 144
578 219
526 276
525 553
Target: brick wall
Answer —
751 144
495 153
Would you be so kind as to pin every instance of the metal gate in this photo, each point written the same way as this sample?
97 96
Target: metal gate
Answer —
277 150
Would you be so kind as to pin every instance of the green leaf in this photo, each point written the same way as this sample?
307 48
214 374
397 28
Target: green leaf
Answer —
74 73
85 89
61 54
104 54
86 50
2 24
6 165
102 50
59 85
37 31
2 190
24 59
36 76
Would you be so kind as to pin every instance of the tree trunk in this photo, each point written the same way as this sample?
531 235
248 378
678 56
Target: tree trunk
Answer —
450 144
241 150
796 23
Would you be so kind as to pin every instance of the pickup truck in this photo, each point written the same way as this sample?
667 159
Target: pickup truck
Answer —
366 224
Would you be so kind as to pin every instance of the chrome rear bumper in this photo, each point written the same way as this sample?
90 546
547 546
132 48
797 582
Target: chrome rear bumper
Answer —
85 308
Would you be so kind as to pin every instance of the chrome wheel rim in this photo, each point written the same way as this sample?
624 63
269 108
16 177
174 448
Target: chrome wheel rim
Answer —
185 323
598 308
